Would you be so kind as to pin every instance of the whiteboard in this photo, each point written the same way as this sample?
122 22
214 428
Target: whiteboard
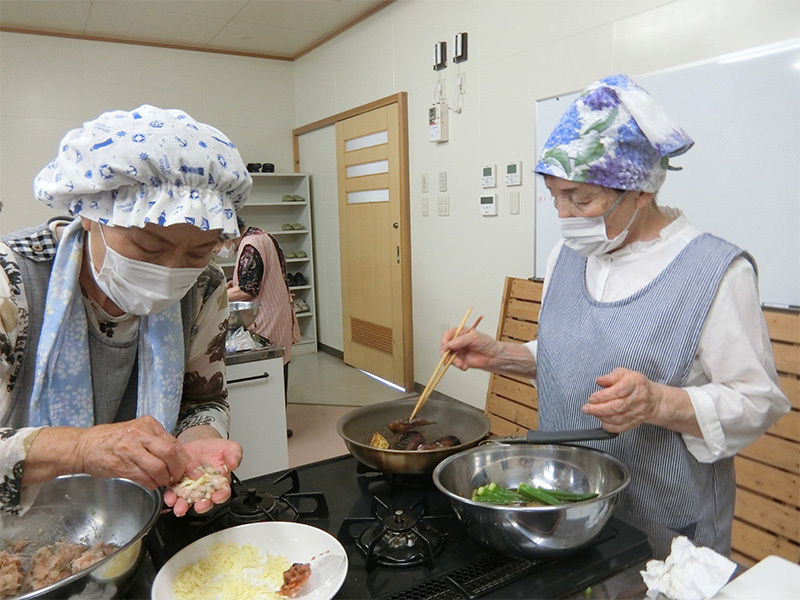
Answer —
741 179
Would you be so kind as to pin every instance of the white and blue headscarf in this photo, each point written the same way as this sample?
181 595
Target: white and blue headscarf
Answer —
127 169
147 165
615 135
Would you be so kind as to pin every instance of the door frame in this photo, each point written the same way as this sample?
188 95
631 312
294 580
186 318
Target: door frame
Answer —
401 99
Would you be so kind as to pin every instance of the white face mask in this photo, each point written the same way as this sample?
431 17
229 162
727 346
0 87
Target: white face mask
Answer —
226 252
138 287
588 236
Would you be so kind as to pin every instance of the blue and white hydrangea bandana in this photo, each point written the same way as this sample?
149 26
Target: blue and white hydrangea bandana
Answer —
149 165
615 135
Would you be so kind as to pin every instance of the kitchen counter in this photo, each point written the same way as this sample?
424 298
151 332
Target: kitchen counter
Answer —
245 356
623 580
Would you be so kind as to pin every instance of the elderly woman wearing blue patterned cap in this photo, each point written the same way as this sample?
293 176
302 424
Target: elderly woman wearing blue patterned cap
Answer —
112 322
648 327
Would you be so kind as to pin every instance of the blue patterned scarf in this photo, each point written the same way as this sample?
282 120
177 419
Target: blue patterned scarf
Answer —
62 390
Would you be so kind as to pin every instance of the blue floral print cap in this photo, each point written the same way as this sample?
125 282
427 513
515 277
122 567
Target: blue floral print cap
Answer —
149 165
615 135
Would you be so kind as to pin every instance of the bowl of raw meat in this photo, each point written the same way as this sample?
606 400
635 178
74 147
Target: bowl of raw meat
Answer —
82 537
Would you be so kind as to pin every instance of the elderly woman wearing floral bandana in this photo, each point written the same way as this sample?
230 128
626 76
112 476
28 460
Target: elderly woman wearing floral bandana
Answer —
112 322
647 324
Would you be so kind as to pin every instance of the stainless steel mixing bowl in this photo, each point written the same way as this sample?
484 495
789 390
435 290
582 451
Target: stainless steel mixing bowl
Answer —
533 531
242 314
86 510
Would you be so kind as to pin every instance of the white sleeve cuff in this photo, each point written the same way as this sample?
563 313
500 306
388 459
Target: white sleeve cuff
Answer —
532 347
712 445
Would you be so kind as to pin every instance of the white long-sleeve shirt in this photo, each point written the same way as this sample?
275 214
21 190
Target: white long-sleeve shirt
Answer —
732 384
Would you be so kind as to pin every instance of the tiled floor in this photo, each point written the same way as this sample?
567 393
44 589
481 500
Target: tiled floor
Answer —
320 378
321 389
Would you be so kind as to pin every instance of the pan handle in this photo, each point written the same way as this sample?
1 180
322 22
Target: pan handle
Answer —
558 437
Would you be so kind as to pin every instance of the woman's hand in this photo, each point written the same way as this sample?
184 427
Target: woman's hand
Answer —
628 399
473 350
224 455
476 350
140 450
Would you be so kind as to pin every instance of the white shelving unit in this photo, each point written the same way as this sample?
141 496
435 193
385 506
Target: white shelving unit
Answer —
267 210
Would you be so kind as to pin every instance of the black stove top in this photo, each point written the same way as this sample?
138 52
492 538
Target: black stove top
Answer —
401 536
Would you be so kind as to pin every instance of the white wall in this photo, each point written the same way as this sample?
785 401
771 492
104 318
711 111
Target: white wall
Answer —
50 85
519 51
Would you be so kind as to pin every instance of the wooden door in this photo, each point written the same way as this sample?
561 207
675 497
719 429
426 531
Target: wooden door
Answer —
375 243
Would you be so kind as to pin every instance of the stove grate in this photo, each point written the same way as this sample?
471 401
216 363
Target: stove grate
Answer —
484 575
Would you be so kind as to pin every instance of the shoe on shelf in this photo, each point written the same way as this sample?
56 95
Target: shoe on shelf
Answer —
300 254
299 279
298 198
287 198
290 254
297 226
290 280
300 306
286 227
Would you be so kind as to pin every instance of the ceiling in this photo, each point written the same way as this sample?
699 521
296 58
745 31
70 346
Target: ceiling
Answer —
280 29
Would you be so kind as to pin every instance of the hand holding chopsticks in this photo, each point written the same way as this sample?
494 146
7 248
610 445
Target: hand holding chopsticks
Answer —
444 363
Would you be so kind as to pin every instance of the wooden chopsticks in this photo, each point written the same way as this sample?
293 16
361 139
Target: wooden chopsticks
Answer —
444 363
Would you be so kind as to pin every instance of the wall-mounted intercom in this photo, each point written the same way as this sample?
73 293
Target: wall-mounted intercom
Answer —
437 120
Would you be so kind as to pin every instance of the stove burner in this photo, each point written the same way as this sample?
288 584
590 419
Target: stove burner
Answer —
372 481
399 538
253 508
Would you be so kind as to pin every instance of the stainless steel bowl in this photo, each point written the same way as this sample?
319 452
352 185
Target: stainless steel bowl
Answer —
87 510
533 531
242 314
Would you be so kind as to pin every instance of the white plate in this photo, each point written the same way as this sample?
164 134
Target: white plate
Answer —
296 541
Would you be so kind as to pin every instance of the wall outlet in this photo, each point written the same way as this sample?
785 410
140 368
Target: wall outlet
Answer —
442 181
424 183
444 206
425 207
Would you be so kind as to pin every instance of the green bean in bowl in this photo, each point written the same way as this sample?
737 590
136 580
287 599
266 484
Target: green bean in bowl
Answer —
527 495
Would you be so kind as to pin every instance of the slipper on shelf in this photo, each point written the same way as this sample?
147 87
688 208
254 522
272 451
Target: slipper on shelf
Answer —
289 254
297 198
300 306
300 254
287 198
297 226
286 227
290 280
300 280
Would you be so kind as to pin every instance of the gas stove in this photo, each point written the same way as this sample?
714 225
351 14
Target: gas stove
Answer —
401 536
